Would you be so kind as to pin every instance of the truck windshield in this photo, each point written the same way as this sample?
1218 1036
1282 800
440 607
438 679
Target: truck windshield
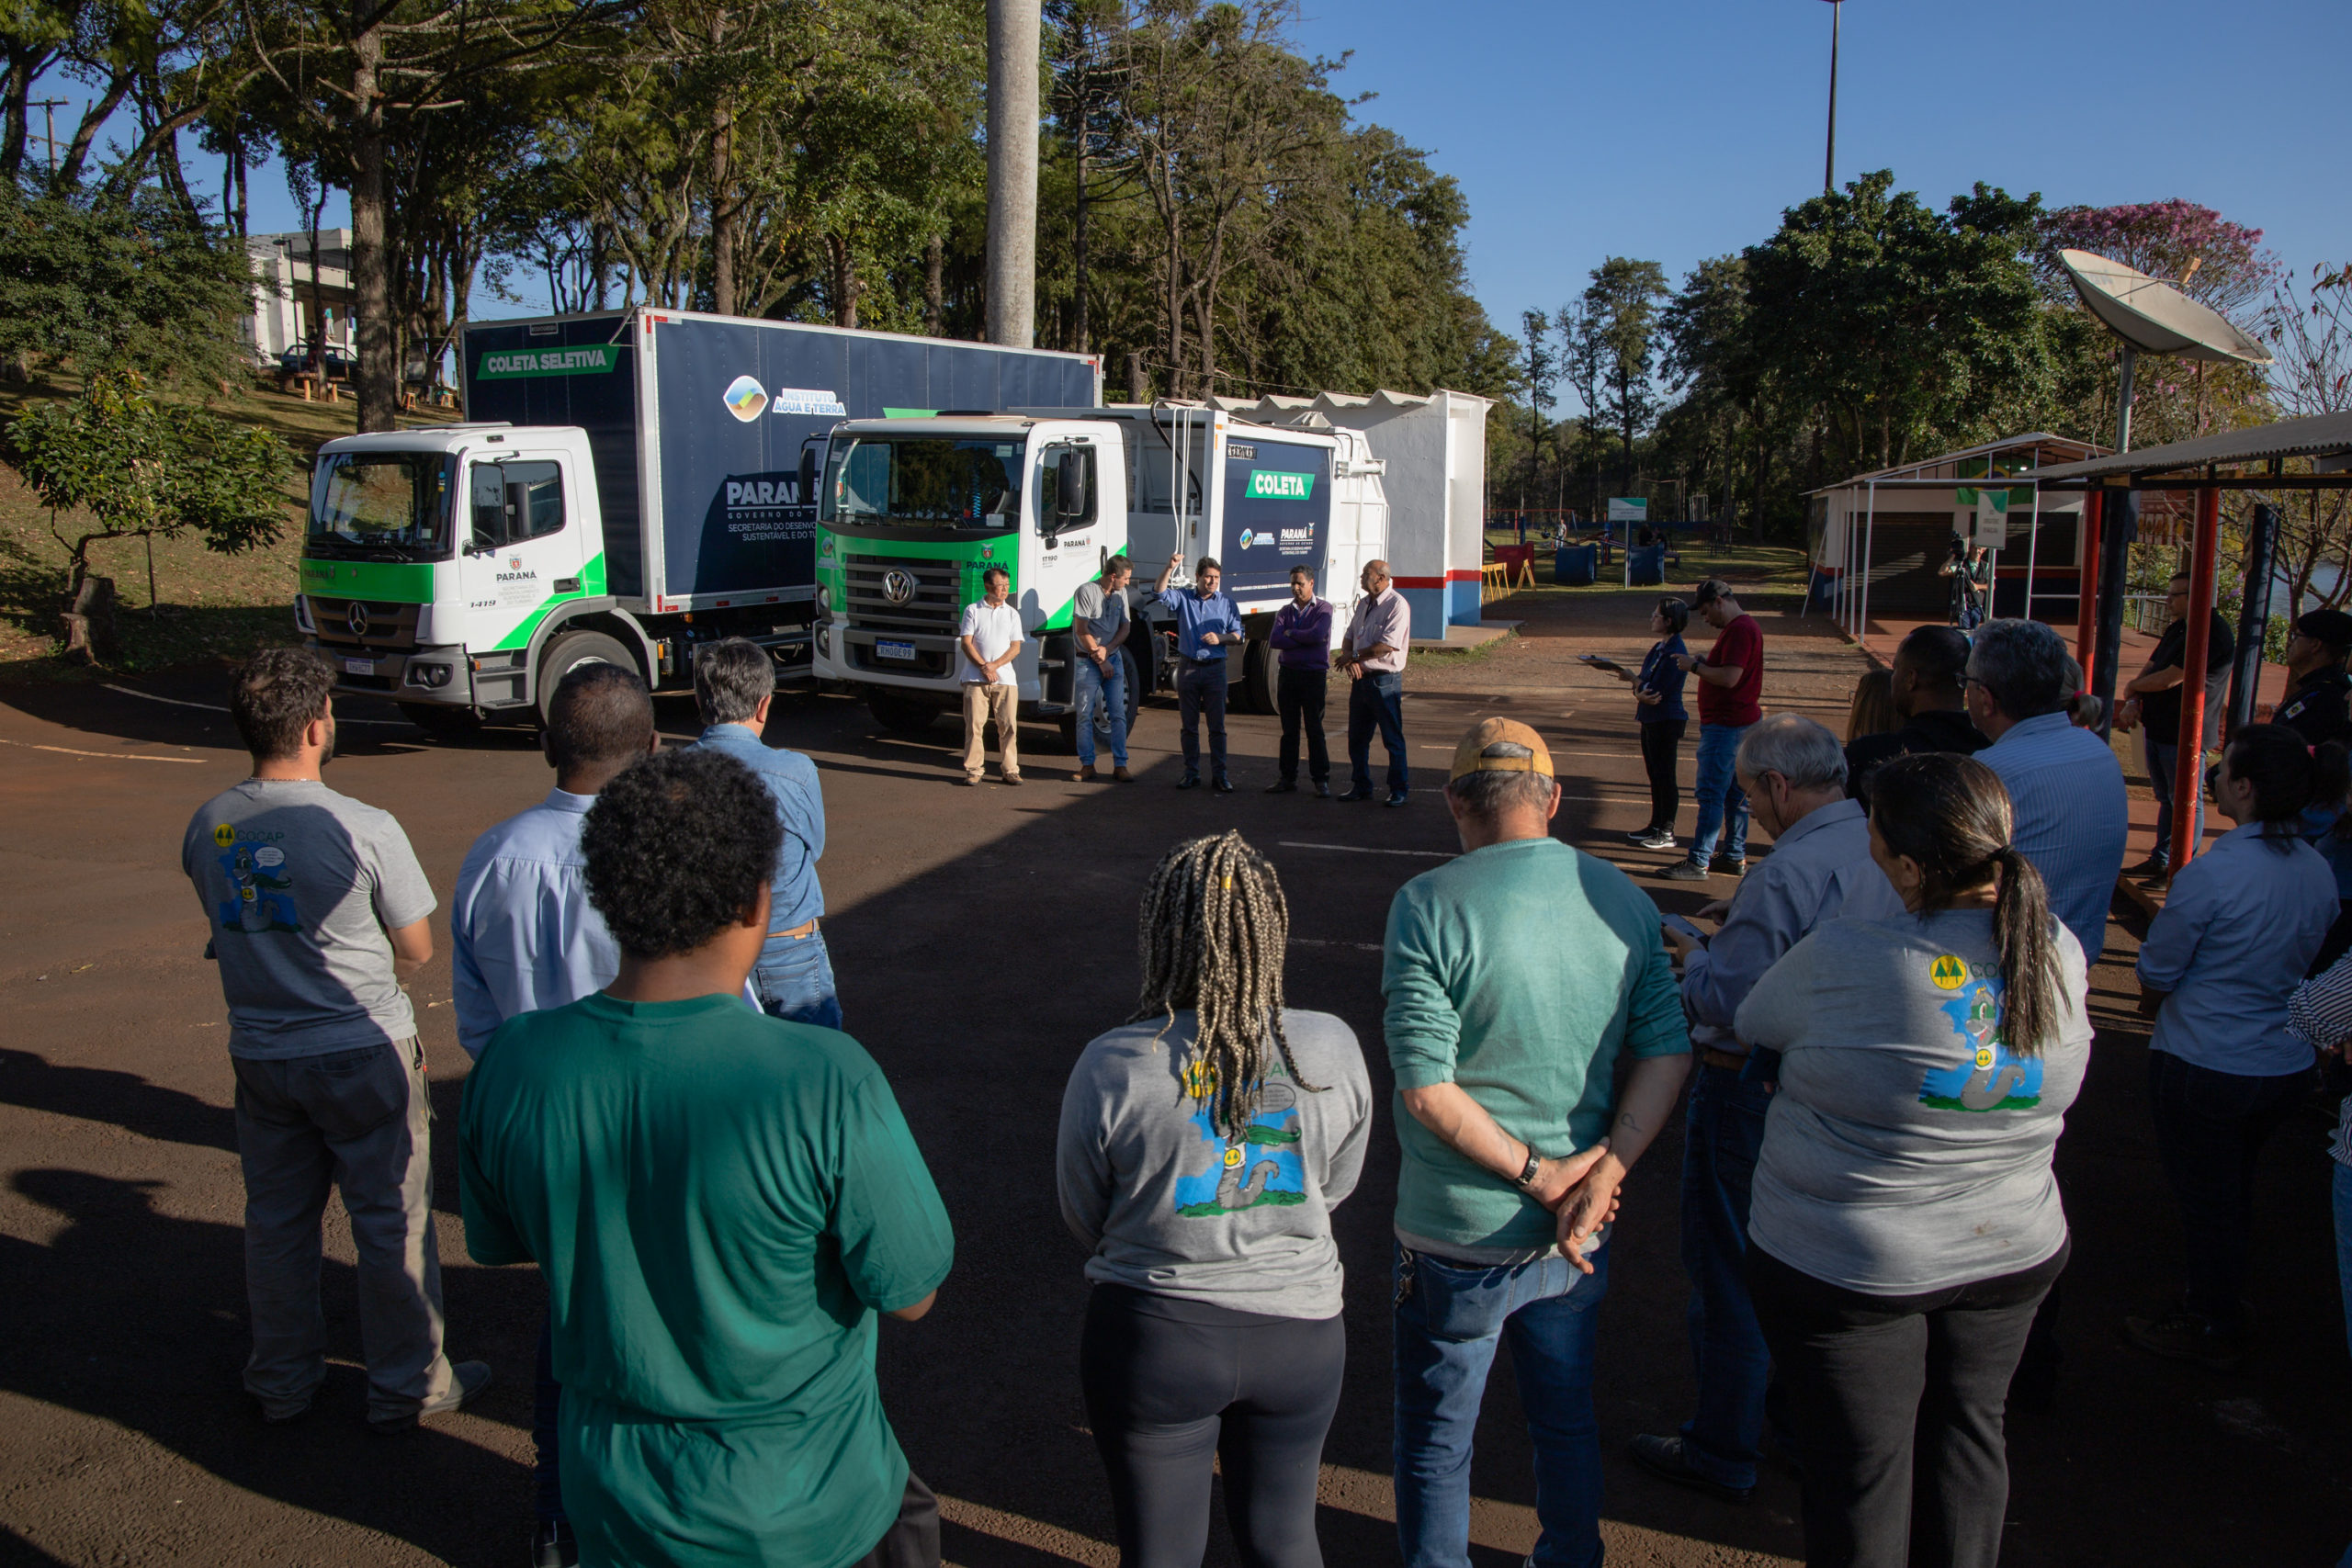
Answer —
931 481
382 505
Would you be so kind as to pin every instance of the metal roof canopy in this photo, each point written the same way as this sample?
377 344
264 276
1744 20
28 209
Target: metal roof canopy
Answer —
2033 443
2321 436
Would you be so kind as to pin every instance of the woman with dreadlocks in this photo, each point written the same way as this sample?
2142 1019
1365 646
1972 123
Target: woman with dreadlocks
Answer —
1204 1144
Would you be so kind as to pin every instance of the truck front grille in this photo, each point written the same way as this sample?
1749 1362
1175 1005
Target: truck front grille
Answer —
391 628
934 607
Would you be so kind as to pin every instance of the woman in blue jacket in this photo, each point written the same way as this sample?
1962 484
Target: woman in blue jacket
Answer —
1657 697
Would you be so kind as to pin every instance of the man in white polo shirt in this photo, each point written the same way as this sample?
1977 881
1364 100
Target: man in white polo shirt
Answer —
990 639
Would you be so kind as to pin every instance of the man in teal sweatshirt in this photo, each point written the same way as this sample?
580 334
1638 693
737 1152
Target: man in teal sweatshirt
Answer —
1515 978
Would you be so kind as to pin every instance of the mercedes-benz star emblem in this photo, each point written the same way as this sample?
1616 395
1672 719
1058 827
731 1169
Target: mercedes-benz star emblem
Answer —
898 585
356 617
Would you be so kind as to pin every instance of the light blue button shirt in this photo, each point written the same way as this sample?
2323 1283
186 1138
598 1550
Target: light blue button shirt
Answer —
1819 870
523 934
798 898
1195 614
2240 925
2072 817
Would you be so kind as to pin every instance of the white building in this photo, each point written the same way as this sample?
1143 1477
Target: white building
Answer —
287 311
1435 449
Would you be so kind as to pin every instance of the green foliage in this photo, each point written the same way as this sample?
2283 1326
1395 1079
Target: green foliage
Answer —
102 279
140 470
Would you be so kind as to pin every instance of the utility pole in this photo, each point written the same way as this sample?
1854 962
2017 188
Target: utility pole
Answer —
49 107
1013 26
1829 159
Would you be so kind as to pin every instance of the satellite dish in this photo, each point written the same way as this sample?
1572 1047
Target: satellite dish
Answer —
2154 316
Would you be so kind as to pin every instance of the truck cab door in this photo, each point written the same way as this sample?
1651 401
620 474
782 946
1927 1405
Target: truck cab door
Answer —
1072 532
521 557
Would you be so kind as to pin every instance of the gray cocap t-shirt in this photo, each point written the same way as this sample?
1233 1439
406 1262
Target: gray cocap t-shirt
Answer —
1172 1205
1908 1147
300 885
1101 612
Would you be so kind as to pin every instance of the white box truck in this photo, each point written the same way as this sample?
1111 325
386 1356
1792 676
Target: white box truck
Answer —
913 512
627 486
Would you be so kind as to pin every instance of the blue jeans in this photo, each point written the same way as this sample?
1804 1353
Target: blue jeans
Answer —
2162 760
1376 701
795 979
1724 1131
1448 1319
1722 807
1108 688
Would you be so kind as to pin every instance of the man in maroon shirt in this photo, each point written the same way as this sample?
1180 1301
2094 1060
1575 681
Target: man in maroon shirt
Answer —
1731 680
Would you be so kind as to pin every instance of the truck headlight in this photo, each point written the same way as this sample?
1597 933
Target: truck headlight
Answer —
824 603
302 622
432 675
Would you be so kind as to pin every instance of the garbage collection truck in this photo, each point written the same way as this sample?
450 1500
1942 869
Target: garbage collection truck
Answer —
913 512
626 486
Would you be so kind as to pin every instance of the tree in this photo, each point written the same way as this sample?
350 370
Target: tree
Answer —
144 471
1622 302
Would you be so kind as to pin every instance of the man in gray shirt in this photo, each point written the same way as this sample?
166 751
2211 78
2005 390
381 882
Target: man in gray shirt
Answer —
1793 774
1098 623
317 911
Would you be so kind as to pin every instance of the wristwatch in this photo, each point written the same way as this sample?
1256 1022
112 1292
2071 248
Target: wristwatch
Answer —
1527 1172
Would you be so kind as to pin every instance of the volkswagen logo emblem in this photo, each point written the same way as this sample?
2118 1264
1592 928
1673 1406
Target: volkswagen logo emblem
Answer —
898 585
356 617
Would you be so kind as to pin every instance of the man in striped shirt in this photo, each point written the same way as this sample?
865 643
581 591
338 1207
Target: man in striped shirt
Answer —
2065 784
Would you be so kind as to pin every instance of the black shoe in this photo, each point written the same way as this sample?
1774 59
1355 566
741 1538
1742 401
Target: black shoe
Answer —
1398 797
1189 781
1664 1457
552 1546
1638 834
1225 786
1724 865
1283 786
1322 789
1354 795
2155 865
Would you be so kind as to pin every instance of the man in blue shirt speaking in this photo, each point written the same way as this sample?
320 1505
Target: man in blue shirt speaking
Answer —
1206 624
734 684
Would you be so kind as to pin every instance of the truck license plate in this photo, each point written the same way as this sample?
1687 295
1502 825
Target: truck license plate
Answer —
885 648
359 667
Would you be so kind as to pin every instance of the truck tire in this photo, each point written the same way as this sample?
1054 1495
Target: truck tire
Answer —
568 651
439 722
1257 667
901 715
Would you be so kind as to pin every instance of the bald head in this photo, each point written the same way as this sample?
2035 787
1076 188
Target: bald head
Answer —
1375 576
599 721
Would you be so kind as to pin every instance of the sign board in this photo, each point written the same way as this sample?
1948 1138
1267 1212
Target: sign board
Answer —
1992 519
1629 509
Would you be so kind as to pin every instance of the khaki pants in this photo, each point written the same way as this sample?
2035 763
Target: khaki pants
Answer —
983 702
356 1119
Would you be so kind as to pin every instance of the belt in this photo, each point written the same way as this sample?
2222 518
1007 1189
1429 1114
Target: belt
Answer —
1731 1061
1213 659
808 928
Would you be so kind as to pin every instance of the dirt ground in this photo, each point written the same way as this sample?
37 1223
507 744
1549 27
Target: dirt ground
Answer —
123 1313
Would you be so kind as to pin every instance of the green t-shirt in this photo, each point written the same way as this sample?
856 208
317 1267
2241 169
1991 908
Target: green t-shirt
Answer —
720 1203
1520 971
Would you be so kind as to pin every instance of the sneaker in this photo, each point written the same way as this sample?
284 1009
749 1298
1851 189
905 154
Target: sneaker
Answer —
1664 1457
1638 834
1657 838
552 1546
470 1378
2180 1334
1120 775
969 781
1084 774
1724 865
1685 871
1013 779
1398 797
2155 865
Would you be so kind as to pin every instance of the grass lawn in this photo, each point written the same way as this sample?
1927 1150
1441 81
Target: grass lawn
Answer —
1756 570
212 606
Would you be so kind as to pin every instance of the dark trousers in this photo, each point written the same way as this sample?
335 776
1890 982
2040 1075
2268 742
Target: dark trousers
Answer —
913 1540
1661 747
1299 696
1169 1397
1722 1135
1898 1403
1376 701
2209 1128
1200 689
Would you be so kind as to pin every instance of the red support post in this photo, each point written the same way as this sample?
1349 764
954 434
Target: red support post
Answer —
2188 772
2086 617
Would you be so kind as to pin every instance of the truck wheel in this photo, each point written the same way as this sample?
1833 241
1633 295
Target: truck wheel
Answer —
1258 667
1134 685
901 715
441 723
568 652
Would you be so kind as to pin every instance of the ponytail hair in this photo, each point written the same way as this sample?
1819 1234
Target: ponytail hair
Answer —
2275 759
1951 814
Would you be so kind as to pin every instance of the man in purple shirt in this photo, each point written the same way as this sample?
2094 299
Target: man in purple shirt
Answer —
1303 634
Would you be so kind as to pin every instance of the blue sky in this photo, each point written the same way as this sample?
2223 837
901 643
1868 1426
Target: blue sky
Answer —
1677 130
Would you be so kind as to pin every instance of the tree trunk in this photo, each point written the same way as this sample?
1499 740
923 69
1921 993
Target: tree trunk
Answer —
846 286
374 376
934 288
722 200
1138 384
1078 244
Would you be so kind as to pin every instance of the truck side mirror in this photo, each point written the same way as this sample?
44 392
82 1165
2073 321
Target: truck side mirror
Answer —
808 491
1071 503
